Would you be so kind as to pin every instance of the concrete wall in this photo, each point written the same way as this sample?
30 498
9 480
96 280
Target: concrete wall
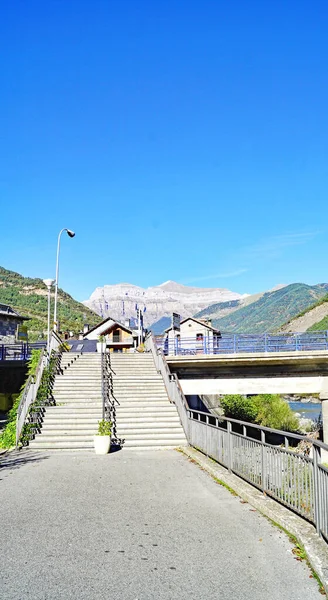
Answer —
257 385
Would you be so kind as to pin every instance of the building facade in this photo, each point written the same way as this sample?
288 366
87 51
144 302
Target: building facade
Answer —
196 336
118 337
9 323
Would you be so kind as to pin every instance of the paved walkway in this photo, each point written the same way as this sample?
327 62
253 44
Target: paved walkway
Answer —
136 525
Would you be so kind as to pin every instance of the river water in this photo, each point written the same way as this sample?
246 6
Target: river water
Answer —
307 410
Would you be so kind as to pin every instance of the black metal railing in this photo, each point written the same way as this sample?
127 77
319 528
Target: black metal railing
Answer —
44 396
109 400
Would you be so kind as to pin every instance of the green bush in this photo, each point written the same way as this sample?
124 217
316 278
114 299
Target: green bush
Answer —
8 436
239 407
104 427
273 411
269 410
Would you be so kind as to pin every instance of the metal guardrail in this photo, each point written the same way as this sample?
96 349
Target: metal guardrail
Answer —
262 456
238 343
296 479
171 382
32 385
21 352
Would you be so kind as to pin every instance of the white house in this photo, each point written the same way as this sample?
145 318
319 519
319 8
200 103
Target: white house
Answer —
196 336
119 337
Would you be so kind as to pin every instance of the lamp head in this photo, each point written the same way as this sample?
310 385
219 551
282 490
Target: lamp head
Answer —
48 282
70 233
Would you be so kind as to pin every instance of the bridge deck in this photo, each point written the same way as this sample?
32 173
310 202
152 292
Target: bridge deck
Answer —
136 526
248 358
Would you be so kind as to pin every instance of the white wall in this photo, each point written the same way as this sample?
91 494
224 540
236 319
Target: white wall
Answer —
93 335
257 385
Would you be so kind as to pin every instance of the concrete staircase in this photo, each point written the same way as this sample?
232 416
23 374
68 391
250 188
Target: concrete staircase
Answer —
72 423
145 417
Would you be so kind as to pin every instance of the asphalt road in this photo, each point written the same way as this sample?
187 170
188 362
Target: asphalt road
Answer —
136 525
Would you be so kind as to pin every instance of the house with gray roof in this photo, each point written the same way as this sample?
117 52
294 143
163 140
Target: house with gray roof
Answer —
10 320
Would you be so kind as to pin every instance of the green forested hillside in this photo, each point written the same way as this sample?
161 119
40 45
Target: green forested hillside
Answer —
210 311
272 309
29 297
320 326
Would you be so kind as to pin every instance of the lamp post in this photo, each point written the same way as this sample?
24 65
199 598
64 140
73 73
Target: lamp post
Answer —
48 283
71 234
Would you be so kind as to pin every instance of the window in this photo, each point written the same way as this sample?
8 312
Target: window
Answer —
116 335
199 337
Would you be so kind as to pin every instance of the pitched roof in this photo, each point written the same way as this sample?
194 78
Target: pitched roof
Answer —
6 310
104 322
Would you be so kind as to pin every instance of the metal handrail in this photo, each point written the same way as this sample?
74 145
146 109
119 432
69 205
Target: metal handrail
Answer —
280 432
172 385
297 480
32 385
29 395
109 400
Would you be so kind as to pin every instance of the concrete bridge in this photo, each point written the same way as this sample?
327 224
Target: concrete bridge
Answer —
295 372
302 372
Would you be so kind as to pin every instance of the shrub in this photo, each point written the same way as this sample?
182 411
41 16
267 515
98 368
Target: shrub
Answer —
273 411
104 427
269 410
239 407
8 437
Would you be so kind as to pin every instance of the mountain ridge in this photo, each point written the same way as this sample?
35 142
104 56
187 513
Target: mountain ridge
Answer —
120 300
272 309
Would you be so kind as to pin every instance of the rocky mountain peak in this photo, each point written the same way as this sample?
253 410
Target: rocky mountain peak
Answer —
119 301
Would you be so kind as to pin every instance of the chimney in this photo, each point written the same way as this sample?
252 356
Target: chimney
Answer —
127 323
85 327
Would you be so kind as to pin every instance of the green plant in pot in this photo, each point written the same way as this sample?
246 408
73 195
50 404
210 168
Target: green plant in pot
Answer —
102 439
101 343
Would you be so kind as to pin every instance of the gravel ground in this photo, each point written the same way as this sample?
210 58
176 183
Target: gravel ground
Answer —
136 525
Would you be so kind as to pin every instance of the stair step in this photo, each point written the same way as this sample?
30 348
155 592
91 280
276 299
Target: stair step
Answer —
59 436
60 445
154 434
60 430
151 430
78 405
70 422
72 395
85 412
163 443
147 413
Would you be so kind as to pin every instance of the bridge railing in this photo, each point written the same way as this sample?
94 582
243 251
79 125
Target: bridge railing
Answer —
20 352
239 343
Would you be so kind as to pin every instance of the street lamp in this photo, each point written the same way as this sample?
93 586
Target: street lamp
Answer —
71 234
48 283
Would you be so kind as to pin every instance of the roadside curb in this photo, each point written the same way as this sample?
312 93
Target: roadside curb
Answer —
304 532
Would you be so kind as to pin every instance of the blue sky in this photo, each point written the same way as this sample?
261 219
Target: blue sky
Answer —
181 140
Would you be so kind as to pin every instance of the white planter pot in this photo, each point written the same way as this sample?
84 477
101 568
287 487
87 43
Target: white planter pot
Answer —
102 443
100 346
